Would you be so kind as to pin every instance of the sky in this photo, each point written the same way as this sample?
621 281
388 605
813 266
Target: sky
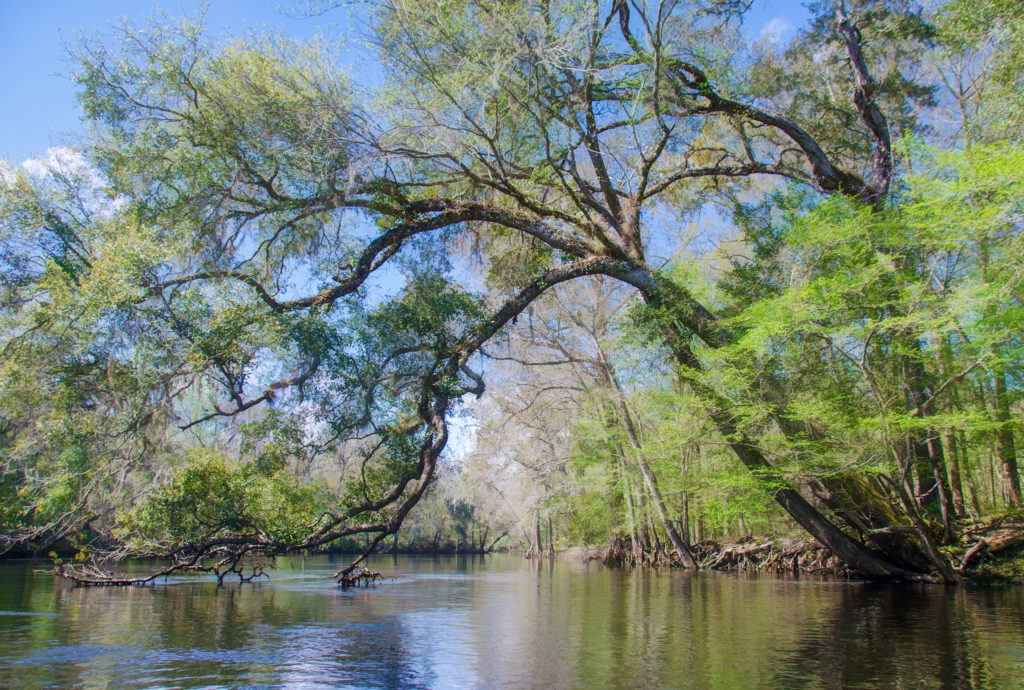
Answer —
38 109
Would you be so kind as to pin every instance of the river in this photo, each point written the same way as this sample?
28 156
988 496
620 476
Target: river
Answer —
500 621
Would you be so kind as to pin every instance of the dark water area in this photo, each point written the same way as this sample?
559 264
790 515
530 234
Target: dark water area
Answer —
500 621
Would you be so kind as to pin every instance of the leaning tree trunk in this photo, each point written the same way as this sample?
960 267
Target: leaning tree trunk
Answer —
856 555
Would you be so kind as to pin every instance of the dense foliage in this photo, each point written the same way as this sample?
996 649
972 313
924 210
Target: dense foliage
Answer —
247 316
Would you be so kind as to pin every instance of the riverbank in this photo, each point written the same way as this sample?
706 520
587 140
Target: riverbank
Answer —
987 552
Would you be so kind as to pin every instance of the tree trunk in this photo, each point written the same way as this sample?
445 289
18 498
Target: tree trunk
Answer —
949 445
949 448
682 551
536 548
1006 449
686 519
627 491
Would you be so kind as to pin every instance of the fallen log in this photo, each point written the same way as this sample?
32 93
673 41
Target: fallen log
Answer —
990 546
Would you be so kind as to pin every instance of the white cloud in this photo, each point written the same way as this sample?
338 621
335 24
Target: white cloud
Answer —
70 167
775 30
8 173
63 161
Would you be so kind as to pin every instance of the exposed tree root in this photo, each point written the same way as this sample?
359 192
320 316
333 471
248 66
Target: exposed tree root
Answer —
980 551
791 556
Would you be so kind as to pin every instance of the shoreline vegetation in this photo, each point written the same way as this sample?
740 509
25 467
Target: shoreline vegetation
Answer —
988 553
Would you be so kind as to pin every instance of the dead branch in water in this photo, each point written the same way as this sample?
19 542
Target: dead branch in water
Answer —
365 576
93 574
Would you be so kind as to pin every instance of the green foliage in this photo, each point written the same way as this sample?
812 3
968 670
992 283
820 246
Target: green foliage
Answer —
869 296
516 261
258 108
212 497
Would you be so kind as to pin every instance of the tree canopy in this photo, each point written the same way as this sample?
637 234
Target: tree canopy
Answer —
243 320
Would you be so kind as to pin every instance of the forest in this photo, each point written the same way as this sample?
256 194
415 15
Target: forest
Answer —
587 276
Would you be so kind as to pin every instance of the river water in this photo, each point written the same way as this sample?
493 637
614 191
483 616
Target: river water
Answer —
500 621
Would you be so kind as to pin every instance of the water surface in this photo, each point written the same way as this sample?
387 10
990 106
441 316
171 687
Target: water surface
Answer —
500 621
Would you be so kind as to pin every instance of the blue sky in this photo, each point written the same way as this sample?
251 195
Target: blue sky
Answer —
38 108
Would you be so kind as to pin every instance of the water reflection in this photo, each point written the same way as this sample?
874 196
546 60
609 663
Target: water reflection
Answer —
471 622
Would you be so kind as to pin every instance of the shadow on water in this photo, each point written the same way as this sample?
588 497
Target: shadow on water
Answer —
932 637
472 621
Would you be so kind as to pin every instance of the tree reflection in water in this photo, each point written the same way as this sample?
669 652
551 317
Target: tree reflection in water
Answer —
471 622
